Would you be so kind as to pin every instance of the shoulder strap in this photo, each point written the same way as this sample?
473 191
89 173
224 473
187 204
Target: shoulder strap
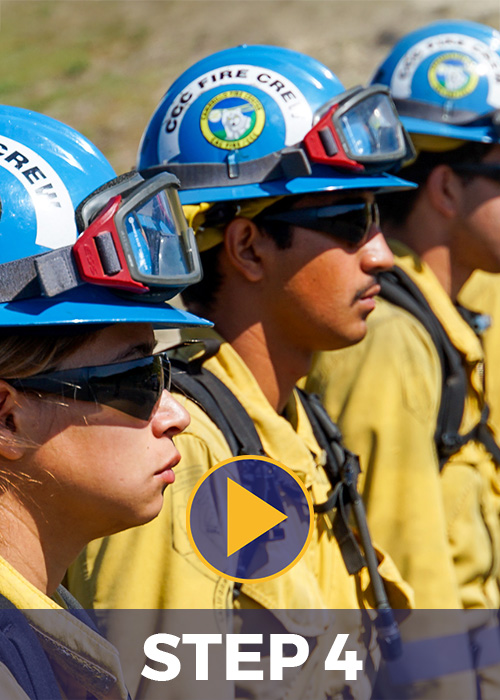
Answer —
399 289
342 468
218 402
74 607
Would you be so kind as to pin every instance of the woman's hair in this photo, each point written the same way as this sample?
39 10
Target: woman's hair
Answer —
24 352
30 351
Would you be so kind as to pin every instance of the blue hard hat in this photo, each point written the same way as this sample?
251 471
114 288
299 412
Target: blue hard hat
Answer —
445 80
46 170
231 111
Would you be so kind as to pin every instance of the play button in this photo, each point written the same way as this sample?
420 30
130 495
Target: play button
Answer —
249 519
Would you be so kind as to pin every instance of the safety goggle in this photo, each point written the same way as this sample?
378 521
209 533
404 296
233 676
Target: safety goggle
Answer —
134 239
133 387
350 221
359 131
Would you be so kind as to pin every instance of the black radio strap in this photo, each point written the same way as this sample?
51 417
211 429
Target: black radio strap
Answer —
399 289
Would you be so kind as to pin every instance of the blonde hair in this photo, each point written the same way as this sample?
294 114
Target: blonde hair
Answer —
27 352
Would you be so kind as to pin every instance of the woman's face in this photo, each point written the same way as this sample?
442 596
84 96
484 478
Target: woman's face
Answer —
94 466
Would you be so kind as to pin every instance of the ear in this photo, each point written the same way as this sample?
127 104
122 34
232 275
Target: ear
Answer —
244 245
11 444
445 190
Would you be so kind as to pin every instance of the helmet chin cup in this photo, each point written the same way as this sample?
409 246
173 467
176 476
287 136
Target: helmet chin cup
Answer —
444 79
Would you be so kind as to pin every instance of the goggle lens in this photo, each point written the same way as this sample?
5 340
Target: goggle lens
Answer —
359 130
372 130
132 387
157 246
140 241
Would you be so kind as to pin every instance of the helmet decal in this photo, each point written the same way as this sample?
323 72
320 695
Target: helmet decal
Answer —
233 119
54 211
454 74
285 95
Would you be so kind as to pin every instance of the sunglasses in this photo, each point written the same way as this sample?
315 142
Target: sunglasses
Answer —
133 387
350 221
489 170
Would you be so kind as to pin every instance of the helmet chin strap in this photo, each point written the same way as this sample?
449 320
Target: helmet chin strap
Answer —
288 163
456 117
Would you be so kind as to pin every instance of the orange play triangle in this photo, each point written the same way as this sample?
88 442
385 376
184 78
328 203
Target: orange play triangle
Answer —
248 517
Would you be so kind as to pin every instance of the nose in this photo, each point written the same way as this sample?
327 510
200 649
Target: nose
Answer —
170 417
376 256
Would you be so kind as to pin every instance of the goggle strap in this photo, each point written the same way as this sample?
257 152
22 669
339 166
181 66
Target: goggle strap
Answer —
57 272
46 275
288 163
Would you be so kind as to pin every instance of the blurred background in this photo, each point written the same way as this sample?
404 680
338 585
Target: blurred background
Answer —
103 65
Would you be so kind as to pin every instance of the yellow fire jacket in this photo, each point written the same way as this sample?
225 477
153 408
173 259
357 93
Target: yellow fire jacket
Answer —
154 566
481 293
84 663
441 528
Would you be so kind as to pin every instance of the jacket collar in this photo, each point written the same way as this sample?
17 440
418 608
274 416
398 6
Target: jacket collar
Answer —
83 654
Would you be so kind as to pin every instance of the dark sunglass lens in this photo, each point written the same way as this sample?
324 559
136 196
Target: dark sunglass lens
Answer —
352 226
350 221
134 391
131 387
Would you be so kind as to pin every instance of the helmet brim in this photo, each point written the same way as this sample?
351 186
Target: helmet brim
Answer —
323 179
480 134
93 305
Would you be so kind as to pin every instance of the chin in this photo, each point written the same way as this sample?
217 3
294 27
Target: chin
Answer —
352 340
355 340
354 336
136 517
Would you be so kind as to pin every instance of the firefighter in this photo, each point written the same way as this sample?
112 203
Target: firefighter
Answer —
410 398
279 168
82 395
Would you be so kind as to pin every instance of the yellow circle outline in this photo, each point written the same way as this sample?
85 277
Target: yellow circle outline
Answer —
468 63
260 120
231 460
